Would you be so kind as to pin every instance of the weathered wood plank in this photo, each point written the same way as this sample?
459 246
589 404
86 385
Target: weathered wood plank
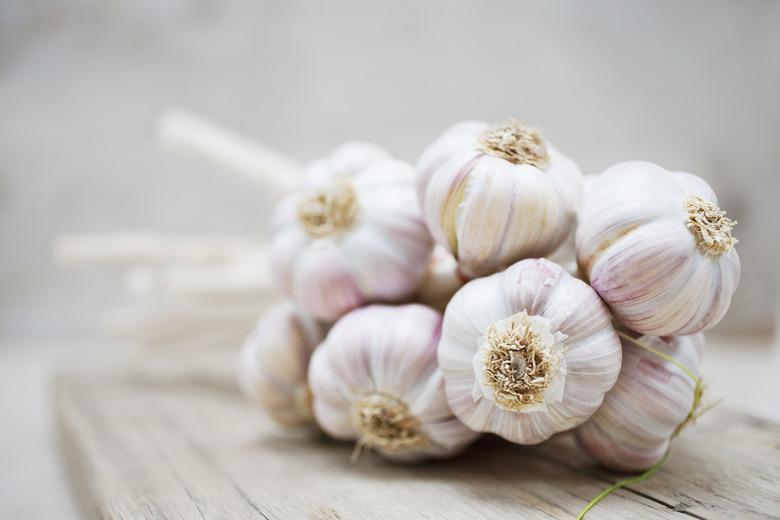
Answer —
177 448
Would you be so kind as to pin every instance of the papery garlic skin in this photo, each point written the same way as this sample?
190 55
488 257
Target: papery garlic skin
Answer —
441 281
652 397
638 246
345 242
557 322
375 380
490 205
274 363
345 161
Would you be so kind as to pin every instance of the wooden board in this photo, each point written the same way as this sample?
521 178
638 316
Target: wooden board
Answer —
181 448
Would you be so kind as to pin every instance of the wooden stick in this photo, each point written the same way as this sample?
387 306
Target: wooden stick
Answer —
184 131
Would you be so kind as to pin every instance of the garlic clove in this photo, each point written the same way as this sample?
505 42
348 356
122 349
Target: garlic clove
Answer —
652 397
274 363
641 249
375 380
527 352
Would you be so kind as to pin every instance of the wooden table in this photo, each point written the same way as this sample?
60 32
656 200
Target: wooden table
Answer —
158 447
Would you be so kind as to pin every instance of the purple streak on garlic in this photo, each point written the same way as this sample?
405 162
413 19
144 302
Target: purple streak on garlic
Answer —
274 363
345 242
527 352
652 397
657 249
375 380
346 160
493 195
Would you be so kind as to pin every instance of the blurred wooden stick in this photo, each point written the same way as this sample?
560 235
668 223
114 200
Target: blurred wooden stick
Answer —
184 131
132 247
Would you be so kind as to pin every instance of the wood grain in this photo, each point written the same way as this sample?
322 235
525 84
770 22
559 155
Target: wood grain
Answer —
178 448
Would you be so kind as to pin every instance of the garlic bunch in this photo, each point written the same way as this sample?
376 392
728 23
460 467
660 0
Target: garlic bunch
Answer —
496 194
652 397
343 242
527 352
375 380
657 249
345 161
274 363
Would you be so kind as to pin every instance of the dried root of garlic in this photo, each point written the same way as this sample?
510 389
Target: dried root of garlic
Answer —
343 242
657 249
527 352
274 364
375 381
493 195
650 401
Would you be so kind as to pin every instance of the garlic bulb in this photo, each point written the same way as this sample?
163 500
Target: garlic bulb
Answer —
375 380
527 352
495 194
274 363
441 281
652 397
344 242
657 249
345 161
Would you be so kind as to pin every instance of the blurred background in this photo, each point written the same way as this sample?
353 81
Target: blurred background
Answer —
690 85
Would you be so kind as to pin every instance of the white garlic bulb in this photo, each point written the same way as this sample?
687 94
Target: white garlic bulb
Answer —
441 281
345 161
657 249
347 241
274 363
493 195
652 397
375 380
527 352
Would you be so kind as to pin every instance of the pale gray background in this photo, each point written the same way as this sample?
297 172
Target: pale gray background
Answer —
690 85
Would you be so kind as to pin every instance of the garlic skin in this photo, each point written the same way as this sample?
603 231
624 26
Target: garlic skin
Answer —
527 352
344 242
274 363
345 161
441 282
632 429
375 380
657 249
493 195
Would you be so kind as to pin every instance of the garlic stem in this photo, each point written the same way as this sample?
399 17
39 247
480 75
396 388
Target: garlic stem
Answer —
649 472
184 131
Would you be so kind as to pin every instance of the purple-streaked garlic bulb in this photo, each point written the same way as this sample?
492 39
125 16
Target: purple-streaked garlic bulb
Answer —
345 161
375 380
274 363
344 242
527 352
493 195
657 248
652 397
